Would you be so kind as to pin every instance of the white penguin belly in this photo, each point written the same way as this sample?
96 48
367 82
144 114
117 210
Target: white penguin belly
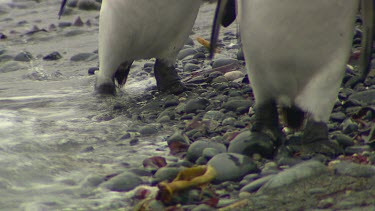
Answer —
142 29
296 50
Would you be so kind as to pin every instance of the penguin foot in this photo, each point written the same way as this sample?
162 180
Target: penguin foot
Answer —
314 141
167 78
105 89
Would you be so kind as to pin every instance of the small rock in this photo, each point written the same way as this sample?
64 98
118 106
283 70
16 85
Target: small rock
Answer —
231 166
352 169
366 97
52 56
203 207
234 75
296 173
23 57
149 129
92 70
123 182
78 22
84 57
222 62
186 52
338 116
357 149
11 66
326 203
88 5
255 185
166 173
214 115
196 149
194 105
209 153
233 105
64 24
343 140
190 67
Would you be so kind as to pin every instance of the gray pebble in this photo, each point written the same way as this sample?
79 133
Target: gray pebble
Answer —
123 182
150 129
209 153
231 166
194 105
11 66
366 97
88 5
255 185
24 56
166 173
178 136
338 116
344 140
296 173
352 169
52 56
186 52
188 67
196 149
357 149
5 58
203 207
222 62
92 181
234 105
84 57
214 115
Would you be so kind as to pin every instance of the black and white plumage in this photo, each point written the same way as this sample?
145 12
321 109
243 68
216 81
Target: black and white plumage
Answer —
296 53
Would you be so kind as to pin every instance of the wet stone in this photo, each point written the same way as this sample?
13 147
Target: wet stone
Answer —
170 101
344 140
149 129
203 207
194 105
185 53
233 105
222 62
366 97
64 24
197 148
5 58
92 70
214 115
52 56
88 5
352 169
209 153
190 67
11 66
296 173
256 184
231 166
84 57
24 56
357 149
234 75
338 116
166 173
123 182
348 126
92 181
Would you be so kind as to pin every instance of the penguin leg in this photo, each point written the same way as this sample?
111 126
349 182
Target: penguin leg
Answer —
166 76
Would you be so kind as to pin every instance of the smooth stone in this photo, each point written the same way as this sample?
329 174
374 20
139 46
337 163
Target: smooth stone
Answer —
171 100
248 143
196 149
233 105
222 62
367 97
357 149
344 140
52 56
348 126
194 105
209 153
338 116
123 182
11 66
178 136
5 58
214 115
64 24
231 166
256 184
23 57
234 75
166 173
84 57
229 121
92 181
352 169
190 67
167 114
88 5
186 52
203 207
296 173
149 129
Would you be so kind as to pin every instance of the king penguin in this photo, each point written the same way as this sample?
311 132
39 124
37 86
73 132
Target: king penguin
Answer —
143 29
296 53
